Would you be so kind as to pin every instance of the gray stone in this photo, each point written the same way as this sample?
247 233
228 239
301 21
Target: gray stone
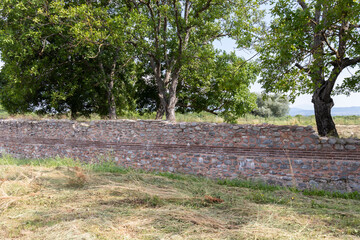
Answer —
314 136
314 184
332 140
276 134
298 162
265 165
355 186
335 178
334 168
306 167
223 134
350 147
302 185
351 140
328 146
284 166
339 147
274 166
323 140
286 178
227 162
307 141
268 141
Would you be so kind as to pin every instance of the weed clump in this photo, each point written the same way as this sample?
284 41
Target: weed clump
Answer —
78 179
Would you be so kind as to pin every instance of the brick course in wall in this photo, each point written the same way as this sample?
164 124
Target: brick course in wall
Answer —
284 155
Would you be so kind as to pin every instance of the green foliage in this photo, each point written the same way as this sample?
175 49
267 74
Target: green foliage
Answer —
217 83
171 35
286 54
60 56
84 57
273 105
306 47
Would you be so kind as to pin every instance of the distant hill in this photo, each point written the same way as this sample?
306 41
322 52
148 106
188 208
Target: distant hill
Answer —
336 111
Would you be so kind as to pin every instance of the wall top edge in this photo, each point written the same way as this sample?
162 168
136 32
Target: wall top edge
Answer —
262 125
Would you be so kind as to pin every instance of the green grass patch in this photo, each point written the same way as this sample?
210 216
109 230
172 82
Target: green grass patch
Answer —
256 185
48 162
323 193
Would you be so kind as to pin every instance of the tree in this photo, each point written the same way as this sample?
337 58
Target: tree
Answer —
213 81
171 33
37 64
273 105
218 83
62 56
104 28
308 45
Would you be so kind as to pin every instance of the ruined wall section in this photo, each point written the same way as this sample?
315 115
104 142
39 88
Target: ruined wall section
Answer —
285 155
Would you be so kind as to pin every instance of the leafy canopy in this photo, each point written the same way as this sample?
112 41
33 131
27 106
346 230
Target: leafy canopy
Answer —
290 56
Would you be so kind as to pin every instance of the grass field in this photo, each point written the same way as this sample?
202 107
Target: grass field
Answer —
62 199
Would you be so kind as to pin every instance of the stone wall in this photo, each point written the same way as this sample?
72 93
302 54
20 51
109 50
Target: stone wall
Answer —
284 155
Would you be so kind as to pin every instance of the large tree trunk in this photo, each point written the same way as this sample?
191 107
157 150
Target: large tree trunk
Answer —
170 114
111 100
322 106
172 100
160 112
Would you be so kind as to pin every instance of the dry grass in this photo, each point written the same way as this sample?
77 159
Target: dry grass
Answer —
349 131
75 203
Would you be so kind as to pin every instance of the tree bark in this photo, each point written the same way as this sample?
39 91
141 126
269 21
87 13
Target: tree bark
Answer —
170 114
324 121
73 115
111 100
160 112
172 100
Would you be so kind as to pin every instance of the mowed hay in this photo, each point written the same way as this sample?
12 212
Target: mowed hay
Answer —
76 203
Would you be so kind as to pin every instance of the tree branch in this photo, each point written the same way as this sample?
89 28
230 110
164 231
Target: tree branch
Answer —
350 62
302 4
204 8
331 48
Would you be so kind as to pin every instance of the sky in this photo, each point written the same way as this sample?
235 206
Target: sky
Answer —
303 101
